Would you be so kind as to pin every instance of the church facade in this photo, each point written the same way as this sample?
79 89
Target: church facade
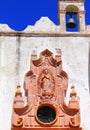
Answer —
16 49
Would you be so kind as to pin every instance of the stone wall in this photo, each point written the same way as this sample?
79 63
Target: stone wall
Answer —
15 54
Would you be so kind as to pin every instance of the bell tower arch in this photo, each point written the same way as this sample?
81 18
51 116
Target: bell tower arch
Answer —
76 7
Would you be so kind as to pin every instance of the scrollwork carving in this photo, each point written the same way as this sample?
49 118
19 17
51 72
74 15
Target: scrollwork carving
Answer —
74 123
17 121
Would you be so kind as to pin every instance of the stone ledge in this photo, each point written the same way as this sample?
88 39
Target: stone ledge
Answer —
46 34
46 128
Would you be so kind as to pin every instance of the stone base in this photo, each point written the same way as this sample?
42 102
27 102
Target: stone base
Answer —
46 128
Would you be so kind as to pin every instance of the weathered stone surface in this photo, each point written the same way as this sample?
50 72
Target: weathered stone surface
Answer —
15 52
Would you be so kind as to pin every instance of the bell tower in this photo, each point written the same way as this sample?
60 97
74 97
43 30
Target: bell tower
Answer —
72 7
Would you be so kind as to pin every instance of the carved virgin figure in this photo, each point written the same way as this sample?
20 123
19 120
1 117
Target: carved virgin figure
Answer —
46 84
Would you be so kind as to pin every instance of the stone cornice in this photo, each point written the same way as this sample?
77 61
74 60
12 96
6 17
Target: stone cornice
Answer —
46 34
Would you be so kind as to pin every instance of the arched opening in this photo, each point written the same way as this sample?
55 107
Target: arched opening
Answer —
72 21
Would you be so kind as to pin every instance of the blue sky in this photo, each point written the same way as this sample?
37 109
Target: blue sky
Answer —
20 13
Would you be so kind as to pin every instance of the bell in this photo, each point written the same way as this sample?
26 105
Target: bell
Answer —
71 23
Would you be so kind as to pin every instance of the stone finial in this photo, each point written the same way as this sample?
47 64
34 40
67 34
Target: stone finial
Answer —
73 92
34 54
73 103
18 91
58 54
58 51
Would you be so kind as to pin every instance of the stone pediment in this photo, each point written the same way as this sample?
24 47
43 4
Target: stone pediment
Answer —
44 105
46 53
47 57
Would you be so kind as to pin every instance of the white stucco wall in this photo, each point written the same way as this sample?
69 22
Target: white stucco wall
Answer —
15 52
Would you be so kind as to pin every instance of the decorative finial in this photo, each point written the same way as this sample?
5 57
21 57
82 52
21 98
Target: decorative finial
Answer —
58 51
73 92
18 91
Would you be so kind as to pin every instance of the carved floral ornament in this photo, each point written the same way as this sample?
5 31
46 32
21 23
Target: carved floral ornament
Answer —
43 105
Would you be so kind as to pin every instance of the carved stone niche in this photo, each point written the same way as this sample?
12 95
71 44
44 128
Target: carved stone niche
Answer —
43 106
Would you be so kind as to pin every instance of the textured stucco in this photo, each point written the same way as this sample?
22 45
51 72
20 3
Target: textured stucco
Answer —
15 52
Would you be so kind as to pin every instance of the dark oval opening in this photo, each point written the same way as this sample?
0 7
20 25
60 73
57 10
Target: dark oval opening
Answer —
46 114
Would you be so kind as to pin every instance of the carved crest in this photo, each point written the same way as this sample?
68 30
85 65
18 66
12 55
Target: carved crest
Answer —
45 88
